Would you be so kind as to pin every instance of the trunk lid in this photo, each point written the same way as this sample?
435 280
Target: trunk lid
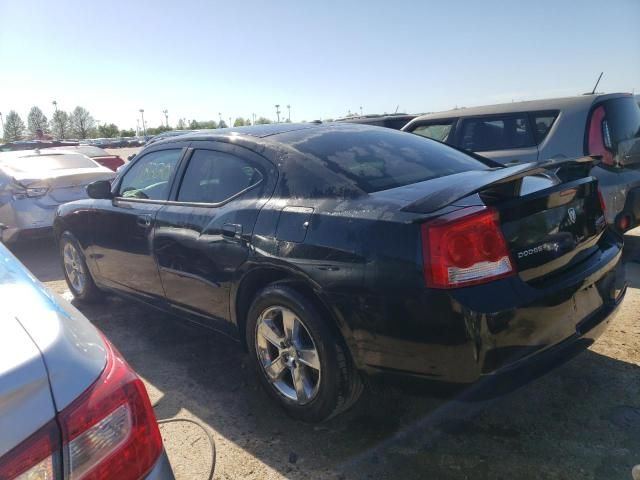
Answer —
551 219
24 385
553 228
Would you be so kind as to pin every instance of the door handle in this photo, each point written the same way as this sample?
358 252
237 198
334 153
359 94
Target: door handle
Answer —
144 221
232 230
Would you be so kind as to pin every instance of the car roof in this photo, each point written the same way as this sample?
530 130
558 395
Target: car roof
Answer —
564 103
88 150
45 152
255 131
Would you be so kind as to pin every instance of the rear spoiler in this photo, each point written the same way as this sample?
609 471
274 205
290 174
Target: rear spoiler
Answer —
502 181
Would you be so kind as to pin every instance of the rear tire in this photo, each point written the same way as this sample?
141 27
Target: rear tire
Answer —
76 272
309 372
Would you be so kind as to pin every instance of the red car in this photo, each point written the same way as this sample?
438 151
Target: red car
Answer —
104 158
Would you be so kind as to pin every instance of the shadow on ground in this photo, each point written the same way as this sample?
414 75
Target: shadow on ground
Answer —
582 421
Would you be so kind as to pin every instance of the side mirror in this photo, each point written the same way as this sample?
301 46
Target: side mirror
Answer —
99 190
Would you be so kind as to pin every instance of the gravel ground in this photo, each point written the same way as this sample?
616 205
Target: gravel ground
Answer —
581 421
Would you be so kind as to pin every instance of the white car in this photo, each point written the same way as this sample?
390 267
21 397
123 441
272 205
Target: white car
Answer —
34 183
70 405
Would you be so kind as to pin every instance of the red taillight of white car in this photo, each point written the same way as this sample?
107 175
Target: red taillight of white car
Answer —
110 431
599 139
465 248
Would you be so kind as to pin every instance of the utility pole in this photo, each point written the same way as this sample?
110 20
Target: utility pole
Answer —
278 112
253 115
55 105
361 111
137 127
220 120
2 123
144 128
289 113
230 124
166 116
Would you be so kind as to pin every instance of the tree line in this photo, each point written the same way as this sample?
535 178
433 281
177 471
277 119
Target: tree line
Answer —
79 124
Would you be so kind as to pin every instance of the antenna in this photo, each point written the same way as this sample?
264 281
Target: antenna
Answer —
397 107
596 85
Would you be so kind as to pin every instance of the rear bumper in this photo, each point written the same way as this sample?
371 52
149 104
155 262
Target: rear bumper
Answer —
162 469
464 335
30 217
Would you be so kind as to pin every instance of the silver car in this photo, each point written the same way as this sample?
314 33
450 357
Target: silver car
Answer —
70 406
32 185
540 130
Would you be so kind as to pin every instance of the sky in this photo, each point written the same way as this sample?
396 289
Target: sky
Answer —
324 58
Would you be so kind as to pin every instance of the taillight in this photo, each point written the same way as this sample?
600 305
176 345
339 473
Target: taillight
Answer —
603 206
110 431
599 136
37 458
465 248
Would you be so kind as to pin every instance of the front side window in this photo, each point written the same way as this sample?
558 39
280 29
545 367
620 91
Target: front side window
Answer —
436 131
213 177
496 133
149 177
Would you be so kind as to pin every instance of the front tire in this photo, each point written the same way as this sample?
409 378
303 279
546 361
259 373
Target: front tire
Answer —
301 359
76 272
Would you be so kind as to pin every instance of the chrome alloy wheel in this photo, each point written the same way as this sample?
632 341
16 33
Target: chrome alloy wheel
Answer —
74 267
288 354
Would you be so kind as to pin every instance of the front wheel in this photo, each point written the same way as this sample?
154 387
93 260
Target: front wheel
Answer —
300 357
75 269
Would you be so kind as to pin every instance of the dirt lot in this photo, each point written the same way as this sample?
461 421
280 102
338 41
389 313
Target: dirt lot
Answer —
582 421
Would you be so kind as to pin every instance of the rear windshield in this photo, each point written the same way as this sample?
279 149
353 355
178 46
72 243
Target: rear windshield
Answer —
623 118
367 159
46 163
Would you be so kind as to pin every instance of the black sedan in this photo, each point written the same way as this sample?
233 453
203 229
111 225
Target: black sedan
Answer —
333 251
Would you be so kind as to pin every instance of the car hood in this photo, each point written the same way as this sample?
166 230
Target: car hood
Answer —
71 347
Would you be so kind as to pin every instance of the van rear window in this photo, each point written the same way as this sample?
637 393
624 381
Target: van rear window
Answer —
623 118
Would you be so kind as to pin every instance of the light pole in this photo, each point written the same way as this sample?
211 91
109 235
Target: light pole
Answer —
278 112
253 115
289 113
137 127
144 128
219 120
360 111
55 106
166 116
2 123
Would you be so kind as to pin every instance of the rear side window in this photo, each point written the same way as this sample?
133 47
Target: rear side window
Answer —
496 133
542 123
213 177
437 131
344 163
623 118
